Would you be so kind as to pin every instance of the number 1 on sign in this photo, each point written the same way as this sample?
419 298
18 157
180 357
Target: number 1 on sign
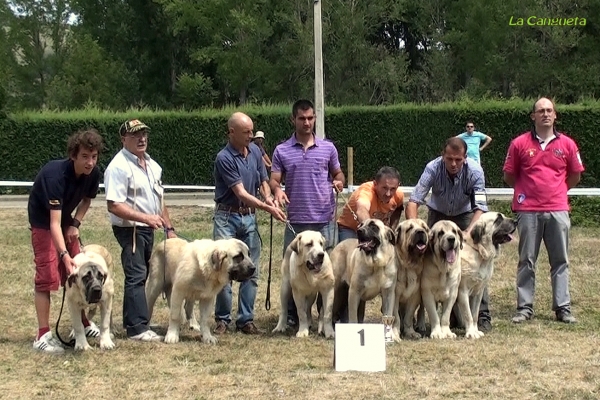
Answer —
362 337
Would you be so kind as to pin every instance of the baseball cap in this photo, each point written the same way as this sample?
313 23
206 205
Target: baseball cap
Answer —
133 125
259 134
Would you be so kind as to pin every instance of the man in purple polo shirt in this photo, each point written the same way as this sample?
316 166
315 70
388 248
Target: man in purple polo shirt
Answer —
310 167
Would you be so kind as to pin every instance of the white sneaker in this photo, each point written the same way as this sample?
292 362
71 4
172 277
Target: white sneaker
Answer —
48 344
91 331
148 336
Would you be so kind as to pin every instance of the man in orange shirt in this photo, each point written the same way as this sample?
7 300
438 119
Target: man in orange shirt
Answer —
380 198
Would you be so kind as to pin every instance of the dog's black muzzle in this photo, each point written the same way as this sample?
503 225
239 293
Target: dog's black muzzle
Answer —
242 272
93 294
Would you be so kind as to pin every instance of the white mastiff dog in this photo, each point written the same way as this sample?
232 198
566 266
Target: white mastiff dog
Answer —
205 267
306 271
91 285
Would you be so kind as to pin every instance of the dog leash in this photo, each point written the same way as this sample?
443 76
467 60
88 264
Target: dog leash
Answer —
347 205
268 299
166 232
72 342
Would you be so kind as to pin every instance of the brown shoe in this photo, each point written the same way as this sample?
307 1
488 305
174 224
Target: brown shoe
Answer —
221 328
250 329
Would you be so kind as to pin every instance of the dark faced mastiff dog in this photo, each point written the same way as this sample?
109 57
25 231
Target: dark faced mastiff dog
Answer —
88 287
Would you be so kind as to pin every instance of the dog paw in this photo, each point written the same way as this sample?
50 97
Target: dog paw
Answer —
474 334
209 339
106 344
82 346
396 337
329 333
302 333
171 338
280 328
195 326
412 335
436 333
448 334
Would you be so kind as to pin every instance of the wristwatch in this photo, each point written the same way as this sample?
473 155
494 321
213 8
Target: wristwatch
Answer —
76 223
62 254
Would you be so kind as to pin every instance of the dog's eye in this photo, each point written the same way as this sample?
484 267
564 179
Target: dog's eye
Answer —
440 234
238 259
309 244
409 229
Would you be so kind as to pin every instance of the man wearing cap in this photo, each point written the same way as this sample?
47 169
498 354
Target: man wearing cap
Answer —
259 140
239 175
134 197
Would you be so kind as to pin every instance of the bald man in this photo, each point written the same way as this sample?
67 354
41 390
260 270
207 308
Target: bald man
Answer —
239 175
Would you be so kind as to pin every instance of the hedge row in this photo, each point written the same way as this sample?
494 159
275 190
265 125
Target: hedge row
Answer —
406 137
585 211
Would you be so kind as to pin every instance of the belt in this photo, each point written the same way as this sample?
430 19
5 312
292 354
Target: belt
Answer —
236 209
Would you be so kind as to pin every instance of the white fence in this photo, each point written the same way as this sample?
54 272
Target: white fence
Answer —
349 189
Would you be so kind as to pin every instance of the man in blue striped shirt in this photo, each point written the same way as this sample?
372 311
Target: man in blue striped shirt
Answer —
457 185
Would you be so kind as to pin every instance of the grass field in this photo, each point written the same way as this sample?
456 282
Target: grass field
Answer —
540 359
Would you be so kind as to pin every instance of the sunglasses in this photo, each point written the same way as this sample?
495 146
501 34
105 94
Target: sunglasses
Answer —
470 126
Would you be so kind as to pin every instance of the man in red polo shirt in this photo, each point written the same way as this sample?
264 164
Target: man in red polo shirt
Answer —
541 166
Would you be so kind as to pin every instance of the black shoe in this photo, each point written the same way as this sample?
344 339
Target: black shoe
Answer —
566 317
484 325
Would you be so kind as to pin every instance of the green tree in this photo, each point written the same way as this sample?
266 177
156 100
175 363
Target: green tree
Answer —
89 76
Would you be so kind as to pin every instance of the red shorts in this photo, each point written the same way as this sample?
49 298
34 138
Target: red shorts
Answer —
50 272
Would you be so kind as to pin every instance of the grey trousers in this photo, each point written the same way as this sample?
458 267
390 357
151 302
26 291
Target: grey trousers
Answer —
553 228
463 221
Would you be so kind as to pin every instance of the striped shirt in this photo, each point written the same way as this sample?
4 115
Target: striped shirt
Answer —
125 181
308 179
451 196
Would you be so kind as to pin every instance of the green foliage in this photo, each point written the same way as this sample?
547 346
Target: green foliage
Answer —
406 137
88 76
194 91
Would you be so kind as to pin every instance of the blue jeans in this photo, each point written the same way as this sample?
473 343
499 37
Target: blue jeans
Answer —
135 269
326 230
243 227
345 233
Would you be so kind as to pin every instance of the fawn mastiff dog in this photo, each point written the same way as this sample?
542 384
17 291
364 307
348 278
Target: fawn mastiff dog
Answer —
412 239
491 230
441 275
364 268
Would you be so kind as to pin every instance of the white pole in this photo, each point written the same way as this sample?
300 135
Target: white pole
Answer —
319 99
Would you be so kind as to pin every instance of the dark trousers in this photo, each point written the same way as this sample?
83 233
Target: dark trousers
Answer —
135 269
463 221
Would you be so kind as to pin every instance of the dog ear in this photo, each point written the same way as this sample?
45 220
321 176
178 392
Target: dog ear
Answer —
390 235
217 258
477 233
294 244
431 241
398 234
72 279
462 238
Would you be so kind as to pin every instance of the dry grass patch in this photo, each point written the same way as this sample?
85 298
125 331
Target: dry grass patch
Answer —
540 359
